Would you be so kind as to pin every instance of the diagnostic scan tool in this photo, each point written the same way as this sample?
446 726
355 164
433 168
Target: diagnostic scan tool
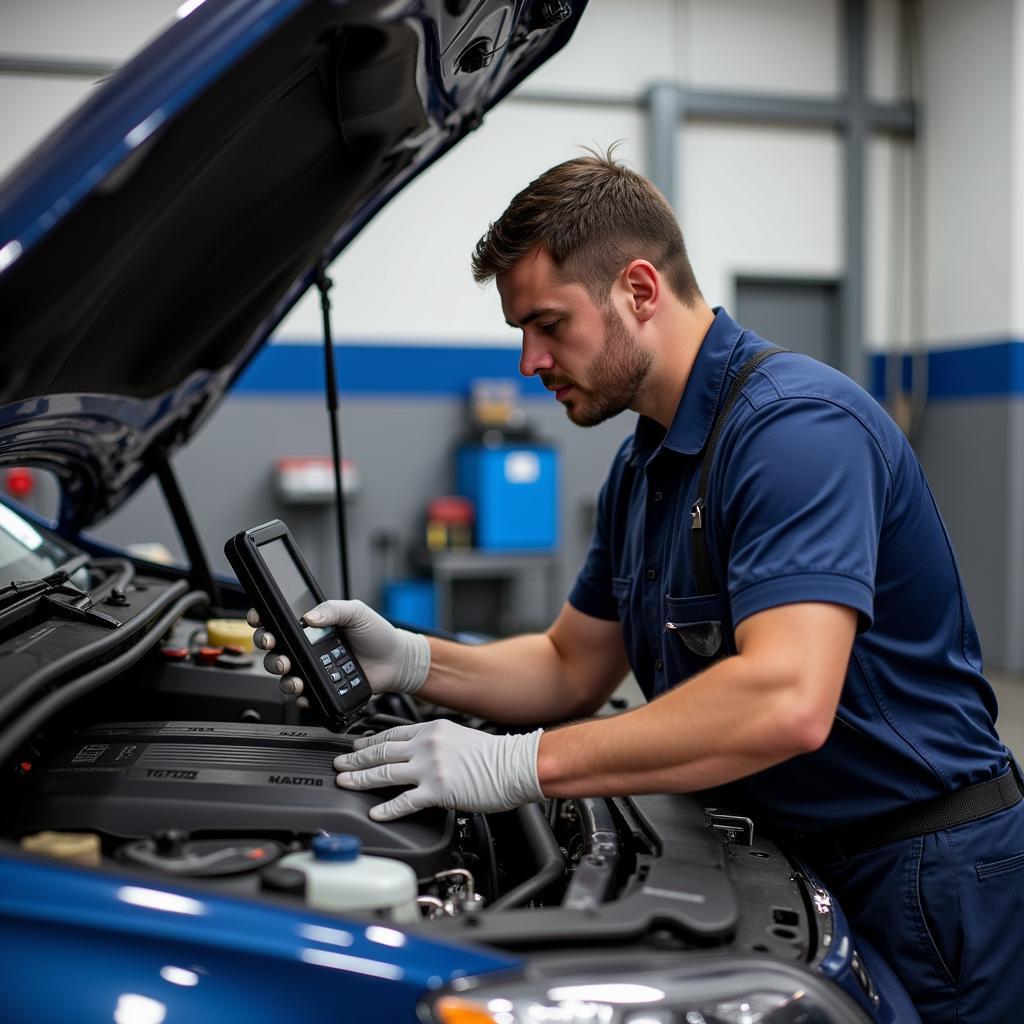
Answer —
274 574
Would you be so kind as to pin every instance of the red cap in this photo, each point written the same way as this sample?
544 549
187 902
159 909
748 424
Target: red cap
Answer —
175 653
209 655
450 509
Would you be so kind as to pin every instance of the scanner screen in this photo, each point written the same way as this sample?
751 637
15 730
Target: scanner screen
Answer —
292 584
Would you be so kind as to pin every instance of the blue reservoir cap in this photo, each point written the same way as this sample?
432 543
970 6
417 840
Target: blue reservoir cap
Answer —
336 846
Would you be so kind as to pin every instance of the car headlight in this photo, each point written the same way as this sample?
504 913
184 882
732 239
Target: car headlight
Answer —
702 990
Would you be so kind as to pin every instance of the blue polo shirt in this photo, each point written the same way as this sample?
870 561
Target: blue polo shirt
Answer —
814 495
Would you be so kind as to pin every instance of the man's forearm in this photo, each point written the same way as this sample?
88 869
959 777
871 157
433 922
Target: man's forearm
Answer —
727 723
774 700
520 680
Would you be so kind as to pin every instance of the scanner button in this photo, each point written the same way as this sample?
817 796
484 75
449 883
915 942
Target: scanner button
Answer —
348 667
355 681
335 677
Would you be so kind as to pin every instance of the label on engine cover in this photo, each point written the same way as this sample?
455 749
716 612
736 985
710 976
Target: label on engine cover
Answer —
104 755
90 754
247 768
294 780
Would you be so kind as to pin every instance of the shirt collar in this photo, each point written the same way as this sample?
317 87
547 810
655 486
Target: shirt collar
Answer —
695 413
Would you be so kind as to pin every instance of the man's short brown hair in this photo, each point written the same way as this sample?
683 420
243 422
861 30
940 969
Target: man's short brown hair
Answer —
593 215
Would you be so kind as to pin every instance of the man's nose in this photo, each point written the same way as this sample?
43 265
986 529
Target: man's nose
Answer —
535 357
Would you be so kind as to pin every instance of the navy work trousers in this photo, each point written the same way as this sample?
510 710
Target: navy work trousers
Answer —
947 912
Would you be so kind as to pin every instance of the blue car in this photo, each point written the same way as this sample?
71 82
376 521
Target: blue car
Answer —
171 839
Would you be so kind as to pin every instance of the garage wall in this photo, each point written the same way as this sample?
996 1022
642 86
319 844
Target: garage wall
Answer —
406 281
759 201
967 144
100 31
970 437
945 232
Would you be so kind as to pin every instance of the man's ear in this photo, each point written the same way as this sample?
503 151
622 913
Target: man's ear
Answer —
642 284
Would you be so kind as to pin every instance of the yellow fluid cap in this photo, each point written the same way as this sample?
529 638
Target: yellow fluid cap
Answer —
229 633
77 847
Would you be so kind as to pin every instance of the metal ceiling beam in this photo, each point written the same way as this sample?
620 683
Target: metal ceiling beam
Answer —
738 108
54 67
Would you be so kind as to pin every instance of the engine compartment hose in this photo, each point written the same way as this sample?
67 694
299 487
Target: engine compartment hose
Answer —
27 723
547 855
485 843
595 872
36 682
598 826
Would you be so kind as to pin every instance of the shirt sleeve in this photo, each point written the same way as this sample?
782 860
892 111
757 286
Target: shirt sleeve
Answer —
593 591
804 488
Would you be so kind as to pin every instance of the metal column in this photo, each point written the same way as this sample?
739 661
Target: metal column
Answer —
854 214
664 113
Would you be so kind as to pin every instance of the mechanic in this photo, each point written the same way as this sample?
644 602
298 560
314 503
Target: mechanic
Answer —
806 593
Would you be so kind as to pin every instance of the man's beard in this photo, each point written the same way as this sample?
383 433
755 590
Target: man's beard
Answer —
613 379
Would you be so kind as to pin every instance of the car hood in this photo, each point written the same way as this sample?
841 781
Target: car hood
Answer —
152 242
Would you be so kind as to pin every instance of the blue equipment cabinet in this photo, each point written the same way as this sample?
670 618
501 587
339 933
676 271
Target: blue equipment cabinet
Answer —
410 602
515 491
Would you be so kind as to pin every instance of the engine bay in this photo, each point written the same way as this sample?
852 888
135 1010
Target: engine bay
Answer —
164 757
142 779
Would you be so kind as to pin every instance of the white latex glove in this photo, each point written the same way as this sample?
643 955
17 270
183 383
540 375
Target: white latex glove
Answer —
447 764
394 660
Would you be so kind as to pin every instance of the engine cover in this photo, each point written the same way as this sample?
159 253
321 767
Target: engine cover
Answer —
131 779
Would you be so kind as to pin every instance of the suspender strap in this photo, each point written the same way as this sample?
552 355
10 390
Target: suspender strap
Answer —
701 567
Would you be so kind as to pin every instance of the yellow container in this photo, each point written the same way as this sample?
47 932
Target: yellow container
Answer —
230 633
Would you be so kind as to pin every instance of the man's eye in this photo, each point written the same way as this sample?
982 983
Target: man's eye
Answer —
549 328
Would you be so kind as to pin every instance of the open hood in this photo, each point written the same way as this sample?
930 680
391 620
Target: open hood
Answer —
151 244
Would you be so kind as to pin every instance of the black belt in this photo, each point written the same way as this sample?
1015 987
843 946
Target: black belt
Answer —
958 808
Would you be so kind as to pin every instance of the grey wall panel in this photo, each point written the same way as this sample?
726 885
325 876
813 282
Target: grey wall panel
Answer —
971 452
965 448
1014 470
800 314
404 450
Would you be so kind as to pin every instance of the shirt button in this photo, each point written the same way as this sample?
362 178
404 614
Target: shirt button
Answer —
659 665
652 574
658 495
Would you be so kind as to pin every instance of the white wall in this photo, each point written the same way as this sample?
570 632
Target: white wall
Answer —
619 48
781 46
967 146
751 200
94 31
759 201
408 278
29 107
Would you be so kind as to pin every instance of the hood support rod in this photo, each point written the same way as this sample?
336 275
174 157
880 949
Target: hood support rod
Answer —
199 567
323 284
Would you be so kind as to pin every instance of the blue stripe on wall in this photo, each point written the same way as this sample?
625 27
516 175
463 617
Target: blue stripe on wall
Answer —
978 371
386 369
